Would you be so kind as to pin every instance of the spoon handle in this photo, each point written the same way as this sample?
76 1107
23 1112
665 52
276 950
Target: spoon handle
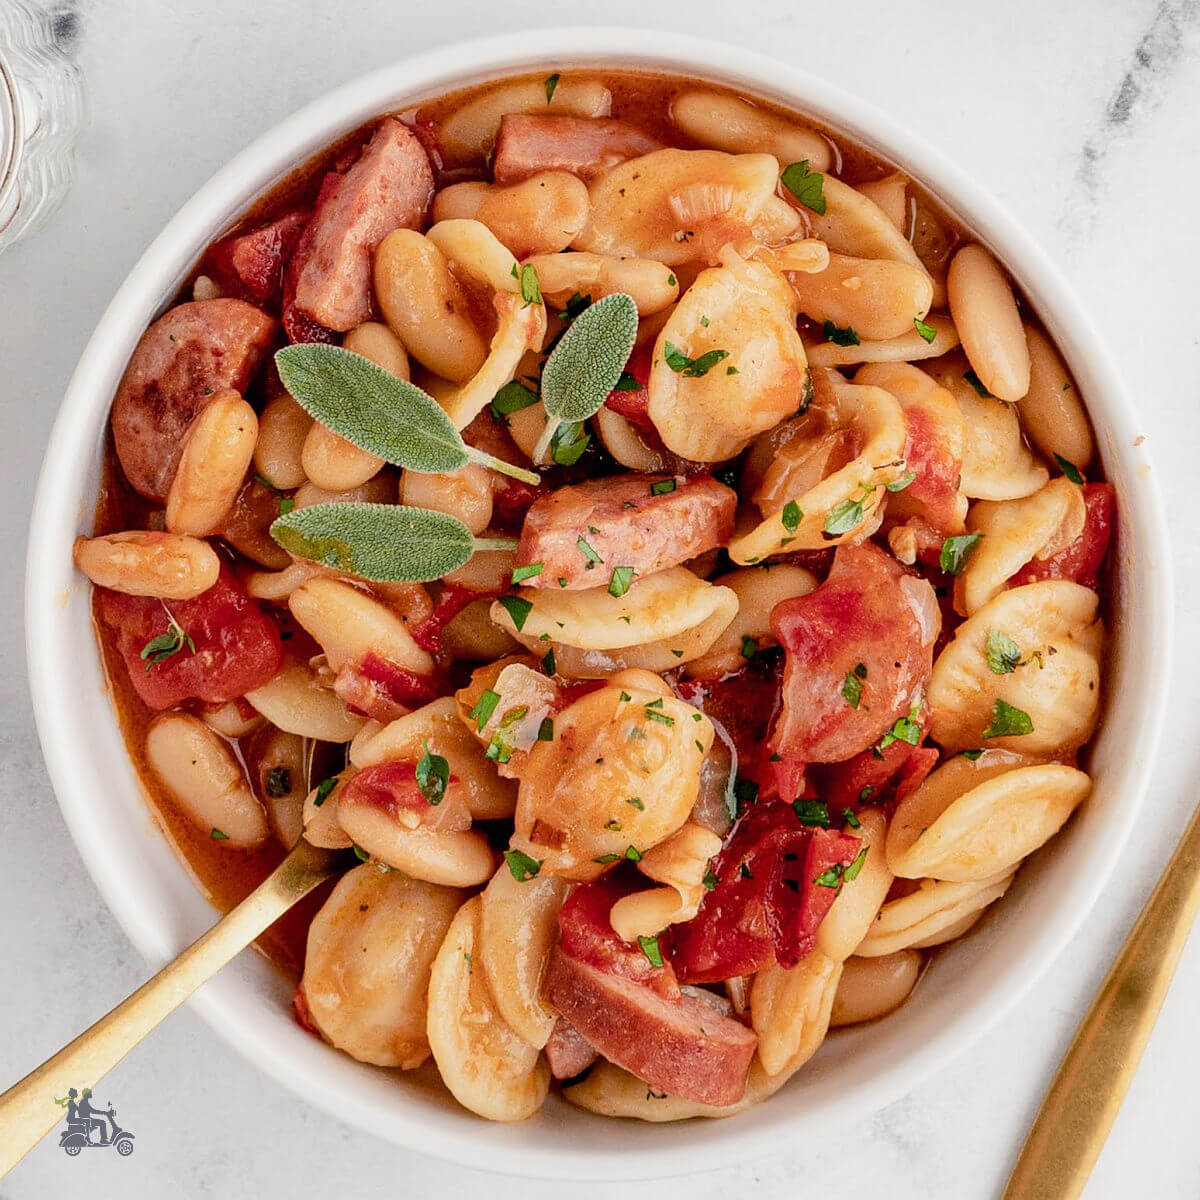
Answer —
28 1110
1082 1103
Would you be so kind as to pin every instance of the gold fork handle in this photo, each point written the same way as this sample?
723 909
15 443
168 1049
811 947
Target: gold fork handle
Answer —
27 1109
1082 1103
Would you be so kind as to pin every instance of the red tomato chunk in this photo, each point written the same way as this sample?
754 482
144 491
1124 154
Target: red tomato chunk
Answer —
237 646
767 904
1082 559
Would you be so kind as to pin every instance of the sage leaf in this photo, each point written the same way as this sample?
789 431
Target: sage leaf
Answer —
586 364
385 543
379 412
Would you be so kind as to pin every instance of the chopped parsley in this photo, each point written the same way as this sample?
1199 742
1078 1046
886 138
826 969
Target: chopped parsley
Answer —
927 332
633 854
1008 721
511 398
831 877
549 664
850 819
749 646
622 577
807 186
791 516
628 383
956 551
581 545
218 835
898 485
636 802
568 443
433 775
971 755
481 714
531 291
1003 654
812 813
521 866
977 384
651 950
528 571
662 487
167 645
840 336
905 729
545 731
843 518
691 368
1069 469
323 790
550 84
710 877
518 609
851 872
852 685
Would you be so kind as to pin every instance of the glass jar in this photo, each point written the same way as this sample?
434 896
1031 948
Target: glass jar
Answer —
41 113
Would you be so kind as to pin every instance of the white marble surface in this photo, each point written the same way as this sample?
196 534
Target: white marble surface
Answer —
1081 115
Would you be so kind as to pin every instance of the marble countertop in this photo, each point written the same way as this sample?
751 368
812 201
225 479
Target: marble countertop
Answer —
1080 116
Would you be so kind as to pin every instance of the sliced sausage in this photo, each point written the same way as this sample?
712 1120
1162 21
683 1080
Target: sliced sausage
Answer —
250 265
191 353
585 146
388 188
625 521
568 1052
858 652
682 1047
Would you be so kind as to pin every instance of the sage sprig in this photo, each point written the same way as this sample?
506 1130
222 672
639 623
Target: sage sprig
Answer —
380 412
586 364
385 543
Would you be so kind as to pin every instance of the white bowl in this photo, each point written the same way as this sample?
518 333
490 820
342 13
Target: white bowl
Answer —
967 987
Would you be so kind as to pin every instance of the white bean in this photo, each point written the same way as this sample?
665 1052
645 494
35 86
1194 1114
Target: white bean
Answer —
144 562
294 701
199 770
217 452
426 307
985 314
728 123
1051 410
282 428
465 494
874 987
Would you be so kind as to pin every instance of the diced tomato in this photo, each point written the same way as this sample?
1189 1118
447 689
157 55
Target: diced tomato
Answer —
858 649
250 264
915 771
865 778
454 598
585 933
237 646
392 788
768 904
512 500
743 705
1082 559
633 405
379 688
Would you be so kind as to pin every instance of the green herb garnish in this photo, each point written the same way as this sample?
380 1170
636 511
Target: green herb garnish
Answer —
956 551
927 332
807 186
521 866
1008 721
691 368
840 336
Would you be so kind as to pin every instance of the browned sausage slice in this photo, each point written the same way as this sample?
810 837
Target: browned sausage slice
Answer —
679 1046
647 522
585 146
188 355
568 1052
388 188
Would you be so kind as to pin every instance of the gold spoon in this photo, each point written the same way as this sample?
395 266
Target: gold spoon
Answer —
27 1109
1082 1103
